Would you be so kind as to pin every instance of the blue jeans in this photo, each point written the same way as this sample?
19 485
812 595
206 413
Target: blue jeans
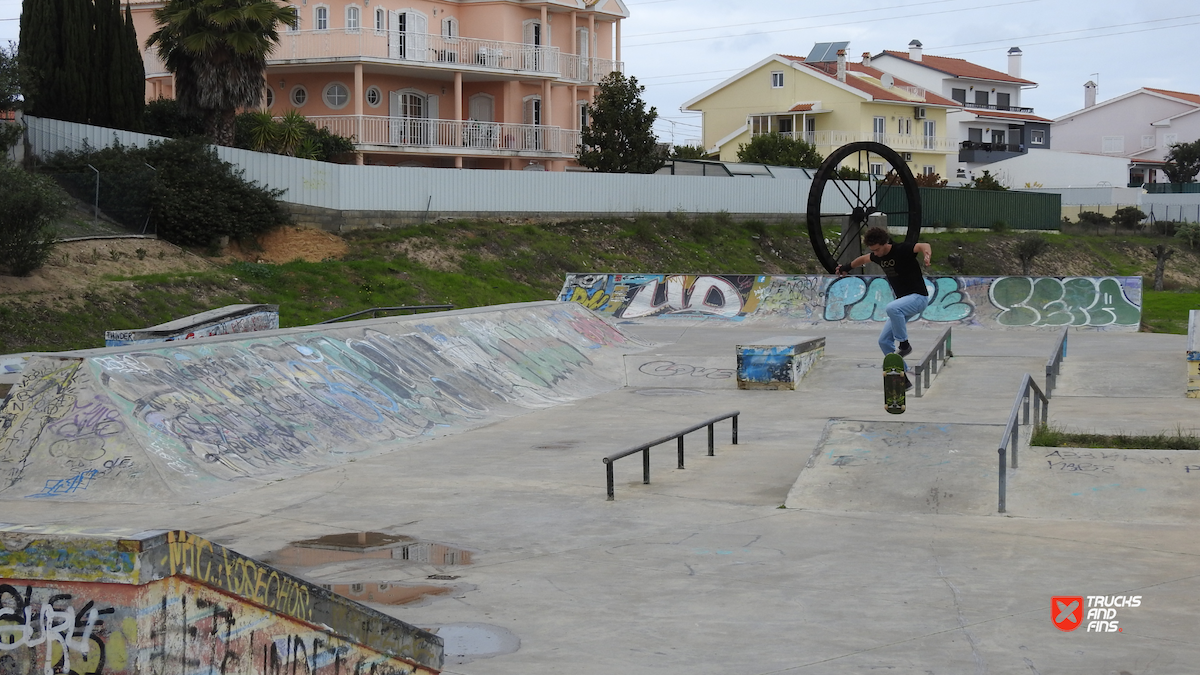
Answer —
899 311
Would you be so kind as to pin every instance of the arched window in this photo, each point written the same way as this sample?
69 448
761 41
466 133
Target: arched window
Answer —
352 19
321 17
298 19
380 19
336 95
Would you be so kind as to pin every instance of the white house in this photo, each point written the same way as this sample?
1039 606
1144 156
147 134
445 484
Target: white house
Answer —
1139 126
992 125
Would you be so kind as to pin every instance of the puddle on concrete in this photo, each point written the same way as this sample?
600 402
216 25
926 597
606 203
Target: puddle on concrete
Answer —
338 548
466 642
387 594
668 392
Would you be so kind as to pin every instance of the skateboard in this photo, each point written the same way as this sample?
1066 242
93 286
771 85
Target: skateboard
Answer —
893 384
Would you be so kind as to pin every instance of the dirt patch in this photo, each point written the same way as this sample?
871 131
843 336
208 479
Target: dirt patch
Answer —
78 265
427 253
286 244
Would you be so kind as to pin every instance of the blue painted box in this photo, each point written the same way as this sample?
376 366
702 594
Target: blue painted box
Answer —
778 362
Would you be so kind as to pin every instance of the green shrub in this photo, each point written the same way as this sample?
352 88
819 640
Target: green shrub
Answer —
29 204
1189 233
192 197
1000 227
1128 217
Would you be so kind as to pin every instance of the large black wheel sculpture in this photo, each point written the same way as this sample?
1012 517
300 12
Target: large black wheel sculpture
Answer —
851 201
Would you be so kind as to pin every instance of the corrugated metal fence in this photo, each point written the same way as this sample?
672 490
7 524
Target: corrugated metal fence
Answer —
408 189
953 207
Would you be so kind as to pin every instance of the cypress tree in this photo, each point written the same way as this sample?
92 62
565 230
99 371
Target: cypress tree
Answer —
135 74
98 71
71 89
38 53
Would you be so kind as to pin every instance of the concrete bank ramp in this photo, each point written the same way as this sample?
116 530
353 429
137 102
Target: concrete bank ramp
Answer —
901 467
172 602
202 418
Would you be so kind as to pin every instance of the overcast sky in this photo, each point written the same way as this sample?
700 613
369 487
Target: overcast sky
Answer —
680 48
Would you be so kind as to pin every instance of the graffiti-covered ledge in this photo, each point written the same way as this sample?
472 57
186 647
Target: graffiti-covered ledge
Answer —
1103 303
134 603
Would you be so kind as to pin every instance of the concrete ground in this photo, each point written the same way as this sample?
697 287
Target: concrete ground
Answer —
834 538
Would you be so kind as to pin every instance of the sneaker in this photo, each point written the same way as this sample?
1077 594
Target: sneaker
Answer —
907 382
904 350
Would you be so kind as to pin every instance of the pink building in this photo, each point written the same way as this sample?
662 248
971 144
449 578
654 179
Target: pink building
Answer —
487 84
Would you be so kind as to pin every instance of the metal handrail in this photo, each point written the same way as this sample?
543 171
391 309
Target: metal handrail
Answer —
1054 365
414 308
644 448
1040 415
932 362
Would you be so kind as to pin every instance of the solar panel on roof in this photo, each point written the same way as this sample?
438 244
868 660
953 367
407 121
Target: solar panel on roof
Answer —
824 52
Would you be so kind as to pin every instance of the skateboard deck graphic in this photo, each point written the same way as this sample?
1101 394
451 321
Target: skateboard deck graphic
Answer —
893 384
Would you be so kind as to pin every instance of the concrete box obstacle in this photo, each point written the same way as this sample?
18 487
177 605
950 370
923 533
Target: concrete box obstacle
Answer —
778 362
173 602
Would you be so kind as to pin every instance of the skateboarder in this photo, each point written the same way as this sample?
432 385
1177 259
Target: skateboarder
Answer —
899 263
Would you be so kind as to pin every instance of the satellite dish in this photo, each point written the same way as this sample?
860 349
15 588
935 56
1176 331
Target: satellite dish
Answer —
887 80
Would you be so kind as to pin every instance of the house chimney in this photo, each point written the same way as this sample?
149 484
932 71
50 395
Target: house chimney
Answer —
914 50
866 59
841 65
1089 94
1014 62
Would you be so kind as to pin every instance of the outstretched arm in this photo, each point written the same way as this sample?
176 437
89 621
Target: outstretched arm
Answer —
924 250
861 260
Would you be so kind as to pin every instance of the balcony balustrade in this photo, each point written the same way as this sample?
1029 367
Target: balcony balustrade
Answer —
461 136
1010 108
416 48
588 68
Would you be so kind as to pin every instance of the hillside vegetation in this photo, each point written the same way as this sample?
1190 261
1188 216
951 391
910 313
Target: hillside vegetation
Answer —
95 285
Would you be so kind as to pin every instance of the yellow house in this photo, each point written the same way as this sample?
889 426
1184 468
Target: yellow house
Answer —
828 102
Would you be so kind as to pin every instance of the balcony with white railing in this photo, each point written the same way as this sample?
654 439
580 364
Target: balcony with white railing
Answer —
153 63
898 142
588 69
451 136
424 49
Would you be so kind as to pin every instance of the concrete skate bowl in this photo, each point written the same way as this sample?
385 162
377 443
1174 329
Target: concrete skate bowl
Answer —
1099 303
208 417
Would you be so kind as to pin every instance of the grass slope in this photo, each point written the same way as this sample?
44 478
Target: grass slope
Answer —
474 263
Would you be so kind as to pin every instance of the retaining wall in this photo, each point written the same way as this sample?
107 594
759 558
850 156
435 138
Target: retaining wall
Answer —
1102 303
172 602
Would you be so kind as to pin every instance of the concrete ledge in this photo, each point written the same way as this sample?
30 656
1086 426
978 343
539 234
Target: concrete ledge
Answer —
180 596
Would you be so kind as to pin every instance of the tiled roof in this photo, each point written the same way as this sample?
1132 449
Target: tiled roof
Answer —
961 68
869 81
1190 98
1006 115
801 107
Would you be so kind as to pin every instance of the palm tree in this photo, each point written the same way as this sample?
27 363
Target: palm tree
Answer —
217 50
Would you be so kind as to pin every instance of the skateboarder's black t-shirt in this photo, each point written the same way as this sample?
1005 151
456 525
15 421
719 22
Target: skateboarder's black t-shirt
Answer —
903 272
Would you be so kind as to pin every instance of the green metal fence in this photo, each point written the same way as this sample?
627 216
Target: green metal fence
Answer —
958 207
1170 188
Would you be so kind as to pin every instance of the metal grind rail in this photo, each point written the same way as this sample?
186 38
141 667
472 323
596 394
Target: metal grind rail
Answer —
373 310
1041 411
932 363
1054 365
644 448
